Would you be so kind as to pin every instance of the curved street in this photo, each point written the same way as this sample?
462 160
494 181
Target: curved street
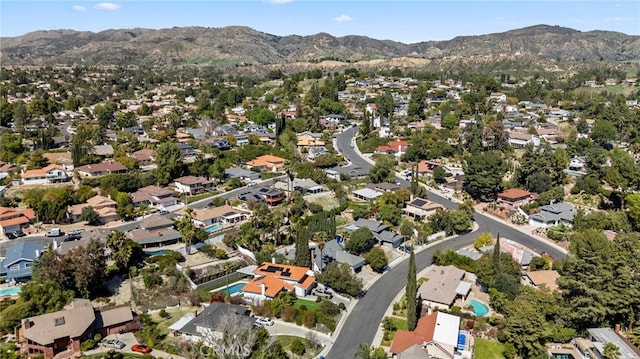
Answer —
364 320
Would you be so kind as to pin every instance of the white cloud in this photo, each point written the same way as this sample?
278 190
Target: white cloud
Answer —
78 8
107 6
280 1
342 18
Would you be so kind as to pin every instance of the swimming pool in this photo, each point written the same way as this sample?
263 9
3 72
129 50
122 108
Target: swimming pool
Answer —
213 228
9 291
160 252
234 288
479 309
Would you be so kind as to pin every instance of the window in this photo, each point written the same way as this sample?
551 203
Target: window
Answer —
15 267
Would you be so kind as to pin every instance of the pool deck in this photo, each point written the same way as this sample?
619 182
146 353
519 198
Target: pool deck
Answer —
477 295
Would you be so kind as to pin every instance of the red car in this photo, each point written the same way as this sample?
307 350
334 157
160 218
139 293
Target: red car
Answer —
141 348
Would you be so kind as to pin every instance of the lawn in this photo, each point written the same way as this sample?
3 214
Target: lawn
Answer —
311 305
487 349
312 348
198 197
400 323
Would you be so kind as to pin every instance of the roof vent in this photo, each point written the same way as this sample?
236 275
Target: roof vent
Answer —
59 321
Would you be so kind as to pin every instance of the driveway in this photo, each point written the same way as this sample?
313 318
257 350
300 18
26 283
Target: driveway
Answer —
129 339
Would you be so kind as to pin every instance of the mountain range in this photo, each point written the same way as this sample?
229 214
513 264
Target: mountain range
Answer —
237 46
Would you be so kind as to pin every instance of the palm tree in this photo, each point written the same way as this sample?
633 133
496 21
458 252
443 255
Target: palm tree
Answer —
320 239
611 351
186 228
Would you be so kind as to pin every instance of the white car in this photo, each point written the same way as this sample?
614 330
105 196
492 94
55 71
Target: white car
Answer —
264 321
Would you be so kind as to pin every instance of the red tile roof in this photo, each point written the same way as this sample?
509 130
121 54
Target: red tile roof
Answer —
514 193
404 339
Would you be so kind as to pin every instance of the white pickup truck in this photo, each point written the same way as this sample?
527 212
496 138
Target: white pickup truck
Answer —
53 232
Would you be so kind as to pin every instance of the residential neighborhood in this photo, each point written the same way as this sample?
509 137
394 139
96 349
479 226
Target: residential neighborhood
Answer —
175 209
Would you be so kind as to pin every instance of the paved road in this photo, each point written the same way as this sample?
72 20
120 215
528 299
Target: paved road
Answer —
365 318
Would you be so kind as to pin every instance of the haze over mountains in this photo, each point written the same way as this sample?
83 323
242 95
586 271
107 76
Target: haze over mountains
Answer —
242 46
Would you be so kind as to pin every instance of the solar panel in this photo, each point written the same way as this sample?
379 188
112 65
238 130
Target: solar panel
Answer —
272 269
419 202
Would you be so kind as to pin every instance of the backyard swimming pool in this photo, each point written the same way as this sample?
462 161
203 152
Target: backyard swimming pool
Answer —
213 228
9 291
234 288
479 308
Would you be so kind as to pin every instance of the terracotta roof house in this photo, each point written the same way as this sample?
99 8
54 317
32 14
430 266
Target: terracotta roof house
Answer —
155 231
519 253
541 278
445 285
216 215
47 175
426 167
397 148
13 220
421 208
60 333
7 168
269 279
437 334
105 207
515 197
16 266
102 168
154 196
307 139
267 163
209 325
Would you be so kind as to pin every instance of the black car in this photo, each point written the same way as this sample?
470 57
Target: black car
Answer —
12 235
19 233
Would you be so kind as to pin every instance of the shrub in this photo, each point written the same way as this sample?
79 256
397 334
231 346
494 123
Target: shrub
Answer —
297 347
163 314
455 309
87 345
288 313
309 319
342 306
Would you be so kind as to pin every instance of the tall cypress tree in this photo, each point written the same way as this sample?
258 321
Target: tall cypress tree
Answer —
412 294
303 253
496 255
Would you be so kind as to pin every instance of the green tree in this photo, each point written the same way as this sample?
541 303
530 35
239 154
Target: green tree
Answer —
321 238
439 175
369 352
359 240
483 240
340 277
377 259
411 293
483 174
603 132
389 213
89 215
303 253
261 116
382 171
169 163
37 160
385 104
633 209
611 351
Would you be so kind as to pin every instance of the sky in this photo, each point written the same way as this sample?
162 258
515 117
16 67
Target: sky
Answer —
408 21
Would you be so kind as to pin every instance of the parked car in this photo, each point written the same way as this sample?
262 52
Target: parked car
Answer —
75 234
19 233
112 343
12 235
141 348
257 325
322 293
264 321
54 232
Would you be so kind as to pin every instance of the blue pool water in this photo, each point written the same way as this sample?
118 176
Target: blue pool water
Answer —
213 228
9 291
157 253
233 289
479 308
562 356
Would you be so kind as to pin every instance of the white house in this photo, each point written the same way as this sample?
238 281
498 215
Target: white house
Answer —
47 175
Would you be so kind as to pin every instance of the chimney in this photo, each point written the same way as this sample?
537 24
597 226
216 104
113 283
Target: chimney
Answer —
195 313
263 288
617 328
26 323
273 260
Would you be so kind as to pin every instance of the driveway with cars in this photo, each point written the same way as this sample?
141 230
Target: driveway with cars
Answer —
129 340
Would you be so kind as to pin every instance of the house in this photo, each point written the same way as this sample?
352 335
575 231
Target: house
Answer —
267 163
145 157
215 215
155 231
444 286
515 197
60 141
436 334
316 151
269 279
105 207
13 220
16 266
154 196
426 167
187 151
241 174
103 150
421 208
192 185
520 140
47 175
101 169
520 254
602 336
498 97
352 172
308 139
63 159
541 278
383 187
212 322
270 196
553 214
366 194
379 230
397 148
333 252
302 185
6 169
59 334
